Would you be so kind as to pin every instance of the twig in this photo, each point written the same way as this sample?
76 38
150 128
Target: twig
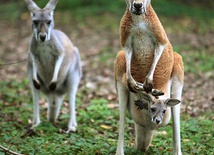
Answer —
13 63
7 150
17 62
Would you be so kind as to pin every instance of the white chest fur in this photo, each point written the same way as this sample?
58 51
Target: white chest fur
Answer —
142 39
45 54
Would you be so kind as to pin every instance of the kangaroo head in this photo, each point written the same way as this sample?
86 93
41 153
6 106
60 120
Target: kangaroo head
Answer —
42 19
156 108
137 7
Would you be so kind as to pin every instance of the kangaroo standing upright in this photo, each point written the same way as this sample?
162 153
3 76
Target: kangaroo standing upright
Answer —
54 64
147 61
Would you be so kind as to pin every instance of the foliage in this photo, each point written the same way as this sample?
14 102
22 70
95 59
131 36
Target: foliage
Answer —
97 130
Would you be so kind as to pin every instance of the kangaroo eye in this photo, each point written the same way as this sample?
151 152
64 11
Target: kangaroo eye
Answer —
35 22
153 109
49 22
164 111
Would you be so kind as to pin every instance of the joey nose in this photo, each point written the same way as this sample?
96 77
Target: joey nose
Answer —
158 121
138 5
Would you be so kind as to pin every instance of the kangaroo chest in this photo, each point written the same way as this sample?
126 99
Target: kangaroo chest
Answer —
46 62
143 45
143 40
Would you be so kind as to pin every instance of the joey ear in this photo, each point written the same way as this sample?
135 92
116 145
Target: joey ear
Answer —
141 104
171 102
146 97
51 5
31 6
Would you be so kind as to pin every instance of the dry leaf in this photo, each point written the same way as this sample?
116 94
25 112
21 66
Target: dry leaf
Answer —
105 127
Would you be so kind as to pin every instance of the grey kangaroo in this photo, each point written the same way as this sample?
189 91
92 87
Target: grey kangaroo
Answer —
54 65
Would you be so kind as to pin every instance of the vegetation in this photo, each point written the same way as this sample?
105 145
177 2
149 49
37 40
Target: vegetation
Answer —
97 114
97 130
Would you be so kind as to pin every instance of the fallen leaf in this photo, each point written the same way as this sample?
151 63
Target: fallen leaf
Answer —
105 127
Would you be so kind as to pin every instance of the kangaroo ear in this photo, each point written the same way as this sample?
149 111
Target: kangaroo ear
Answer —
146 3
51 5
31 6
171 102
146 97
127 3
141 104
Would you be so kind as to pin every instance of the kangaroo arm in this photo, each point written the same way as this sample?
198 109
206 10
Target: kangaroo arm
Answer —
59 51
157 54
161 39
34 66
128 55
132 84
57 67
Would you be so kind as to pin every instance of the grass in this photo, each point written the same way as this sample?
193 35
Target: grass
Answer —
97 130
97 122
196 60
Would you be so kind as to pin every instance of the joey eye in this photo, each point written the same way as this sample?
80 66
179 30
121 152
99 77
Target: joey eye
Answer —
35 22
49 22
164 111
153 109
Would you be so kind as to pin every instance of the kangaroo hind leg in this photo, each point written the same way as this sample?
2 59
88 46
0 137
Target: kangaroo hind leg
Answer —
54 104
176 92
143 137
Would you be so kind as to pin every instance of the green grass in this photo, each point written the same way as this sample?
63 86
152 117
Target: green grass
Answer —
97 130
196 60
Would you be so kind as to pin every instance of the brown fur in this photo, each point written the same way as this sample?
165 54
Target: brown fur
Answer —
141 65
169 64
147 61
154 25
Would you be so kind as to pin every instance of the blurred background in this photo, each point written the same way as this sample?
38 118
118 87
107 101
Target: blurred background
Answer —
93 26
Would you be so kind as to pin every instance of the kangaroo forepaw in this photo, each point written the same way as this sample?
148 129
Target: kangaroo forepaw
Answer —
135 86
52 86
156 92
36 84
148 85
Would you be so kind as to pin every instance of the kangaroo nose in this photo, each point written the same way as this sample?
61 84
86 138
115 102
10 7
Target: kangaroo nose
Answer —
158 121
137 5
42 37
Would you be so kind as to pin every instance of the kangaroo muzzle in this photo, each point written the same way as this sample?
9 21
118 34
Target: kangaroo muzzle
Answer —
157 120
42 37
137 8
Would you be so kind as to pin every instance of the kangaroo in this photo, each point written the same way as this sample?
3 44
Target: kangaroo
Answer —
146 62
54 65
149 114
